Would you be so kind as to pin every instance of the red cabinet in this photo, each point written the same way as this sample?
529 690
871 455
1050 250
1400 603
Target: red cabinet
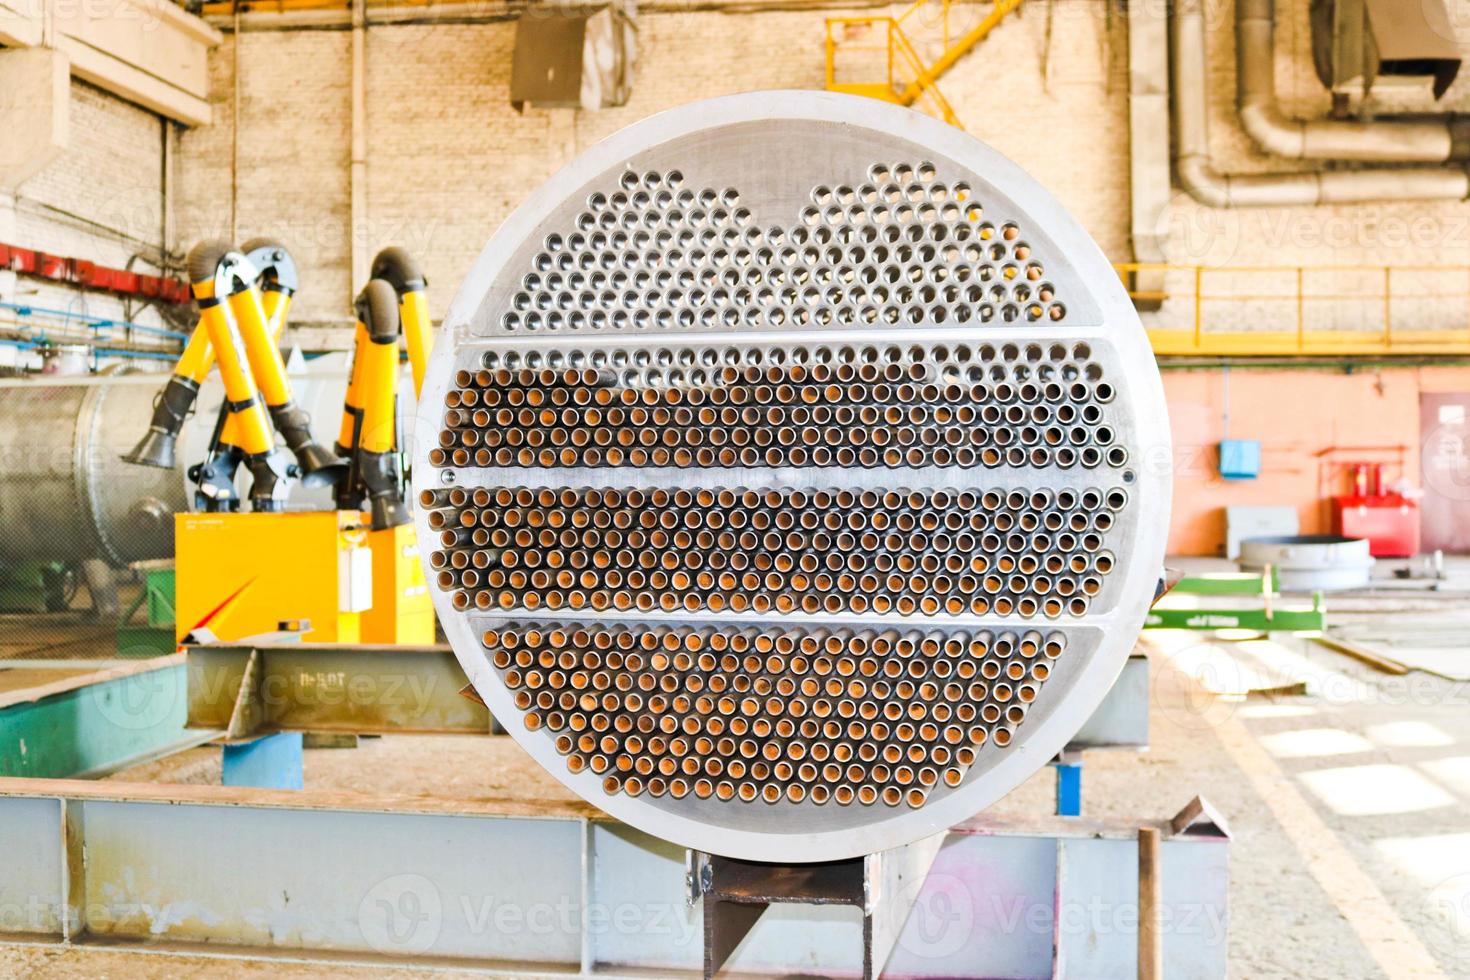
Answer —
1389 521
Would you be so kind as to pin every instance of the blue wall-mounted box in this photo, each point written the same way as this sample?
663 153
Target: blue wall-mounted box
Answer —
1240 459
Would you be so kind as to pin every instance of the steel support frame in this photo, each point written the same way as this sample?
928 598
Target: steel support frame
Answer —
1262 620
252 688
251 691
93 724
268 762
1120 722
1177 612
557 887
1069 784
884 886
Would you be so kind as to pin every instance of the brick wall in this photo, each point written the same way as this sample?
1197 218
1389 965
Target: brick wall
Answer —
293 157
449 159
1307 421
101 199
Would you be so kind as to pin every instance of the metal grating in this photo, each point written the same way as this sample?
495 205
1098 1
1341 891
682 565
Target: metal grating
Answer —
901 248
1015 405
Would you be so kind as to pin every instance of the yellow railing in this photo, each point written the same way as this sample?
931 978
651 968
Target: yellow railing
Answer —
909 77
1334 310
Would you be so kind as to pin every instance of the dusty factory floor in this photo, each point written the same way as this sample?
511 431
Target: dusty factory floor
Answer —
1347 804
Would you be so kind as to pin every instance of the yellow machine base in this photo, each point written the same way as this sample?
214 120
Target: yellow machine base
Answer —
243 574
402 612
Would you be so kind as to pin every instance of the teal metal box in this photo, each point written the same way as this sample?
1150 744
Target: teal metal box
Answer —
1240 459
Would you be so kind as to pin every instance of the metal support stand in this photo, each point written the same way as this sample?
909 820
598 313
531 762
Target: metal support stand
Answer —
883 885
1068 765
105 603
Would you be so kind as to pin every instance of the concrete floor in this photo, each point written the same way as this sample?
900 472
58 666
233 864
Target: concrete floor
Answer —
1348 805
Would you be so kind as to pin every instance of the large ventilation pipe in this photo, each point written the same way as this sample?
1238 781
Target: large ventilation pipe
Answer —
1198 175
1148 155
1426 139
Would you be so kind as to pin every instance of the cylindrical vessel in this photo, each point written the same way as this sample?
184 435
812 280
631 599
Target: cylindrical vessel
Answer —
65 492
67 495
1309 562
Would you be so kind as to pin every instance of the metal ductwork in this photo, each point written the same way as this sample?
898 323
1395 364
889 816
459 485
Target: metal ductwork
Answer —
1356 41
1148 156
574 57
1196 169
1433 139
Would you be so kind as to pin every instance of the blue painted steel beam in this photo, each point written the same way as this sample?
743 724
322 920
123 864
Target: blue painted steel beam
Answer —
268 762
1069 788
97 723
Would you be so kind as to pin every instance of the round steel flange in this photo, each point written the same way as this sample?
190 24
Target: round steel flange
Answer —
792 476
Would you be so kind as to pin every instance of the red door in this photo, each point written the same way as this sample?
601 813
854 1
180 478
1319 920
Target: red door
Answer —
1444 426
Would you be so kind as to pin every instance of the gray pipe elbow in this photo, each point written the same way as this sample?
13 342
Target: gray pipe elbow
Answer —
274 261
377 308
1272 131
1205 184
398 268
204 258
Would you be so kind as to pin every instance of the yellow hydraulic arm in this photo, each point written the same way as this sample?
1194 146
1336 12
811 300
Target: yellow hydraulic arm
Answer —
373 440
394 266
401 272
318 466
393 302
175 401
217 275
277 281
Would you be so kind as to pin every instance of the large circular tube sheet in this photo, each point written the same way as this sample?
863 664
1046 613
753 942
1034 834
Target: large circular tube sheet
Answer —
792 476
